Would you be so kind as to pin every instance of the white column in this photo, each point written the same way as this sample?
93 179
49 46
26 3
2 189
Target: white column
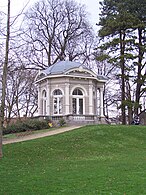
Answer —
101 102
39 102
90 99
66 98
48 99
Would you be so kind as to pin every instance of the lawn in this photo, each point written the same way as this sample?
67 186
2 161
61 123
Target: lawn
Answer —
92 160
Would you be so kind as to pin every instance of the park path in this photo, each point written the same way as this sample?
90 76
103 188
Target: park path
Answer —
39 135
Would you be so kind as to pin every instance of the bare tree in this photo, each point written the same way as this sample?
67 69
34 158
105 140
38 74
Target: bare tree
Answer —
56 30
21 96
4 78
103 67
7 55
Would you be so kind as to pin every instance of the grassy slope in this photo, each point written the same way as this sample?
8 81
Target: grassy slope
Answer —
90 160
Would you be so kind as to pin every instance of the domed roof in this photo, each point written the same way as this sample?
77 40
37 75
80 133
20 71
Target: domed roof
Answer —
67 67
62 67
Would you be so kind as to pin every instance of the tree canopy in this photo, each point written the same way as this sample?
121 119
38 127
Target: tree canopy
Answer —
56 30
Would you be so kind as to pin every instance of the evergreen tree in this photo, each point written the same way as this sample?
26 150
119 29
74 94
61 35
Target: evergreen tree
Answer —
138 9
118 26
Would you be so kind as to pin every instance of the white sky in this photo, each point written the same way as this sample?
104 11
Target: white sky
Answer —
91 5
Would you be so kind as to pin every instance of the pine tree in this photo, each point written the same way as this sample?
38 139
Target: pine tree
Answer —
118 25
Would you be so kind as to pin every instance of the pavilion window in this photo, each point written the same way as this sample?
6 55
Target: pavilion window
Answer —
57 102
77 102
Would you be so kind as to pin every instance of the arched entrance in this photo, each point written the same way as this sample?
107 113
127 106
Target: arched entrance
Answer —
77 102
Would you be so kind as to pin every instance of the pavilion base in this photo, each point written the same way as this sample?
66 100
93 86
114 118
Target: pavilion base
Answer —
77 119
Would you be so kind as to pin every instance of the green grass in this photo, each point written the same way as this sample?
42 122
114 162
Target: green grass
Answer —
91 160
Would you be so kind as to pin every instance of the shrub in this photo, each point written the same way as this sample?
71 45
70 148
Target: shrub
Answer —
26 125
61 122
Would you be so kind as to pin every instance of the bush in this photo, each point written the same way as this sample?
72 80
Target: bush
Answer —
26 125
62 122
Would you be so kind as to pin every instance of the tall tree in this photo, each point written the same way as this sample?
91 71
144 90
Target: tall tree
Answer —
118 26
138 9
56 30
4 78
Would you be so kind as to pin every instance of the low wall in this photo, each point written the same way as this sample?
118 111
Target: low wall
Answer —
76 119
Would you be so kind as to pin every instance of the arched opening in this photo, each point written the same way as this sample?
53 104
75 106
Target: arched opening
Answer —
77 102
57 102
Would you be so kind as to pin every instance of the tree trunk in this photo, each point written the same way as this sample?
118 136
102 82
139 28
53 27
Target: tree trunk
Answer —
130 104
1 154
139 83
4 79
122 65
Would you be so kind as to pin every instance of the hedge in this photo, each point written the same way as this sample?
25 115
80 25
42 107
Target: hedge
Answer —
26 125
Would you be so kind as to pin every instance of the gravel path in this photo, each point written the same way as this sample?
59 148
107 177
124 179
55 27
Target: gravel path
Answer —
39 135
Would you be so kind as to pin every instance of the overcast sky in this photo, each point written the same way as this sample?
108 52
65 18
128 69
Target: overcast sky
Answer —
91 5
